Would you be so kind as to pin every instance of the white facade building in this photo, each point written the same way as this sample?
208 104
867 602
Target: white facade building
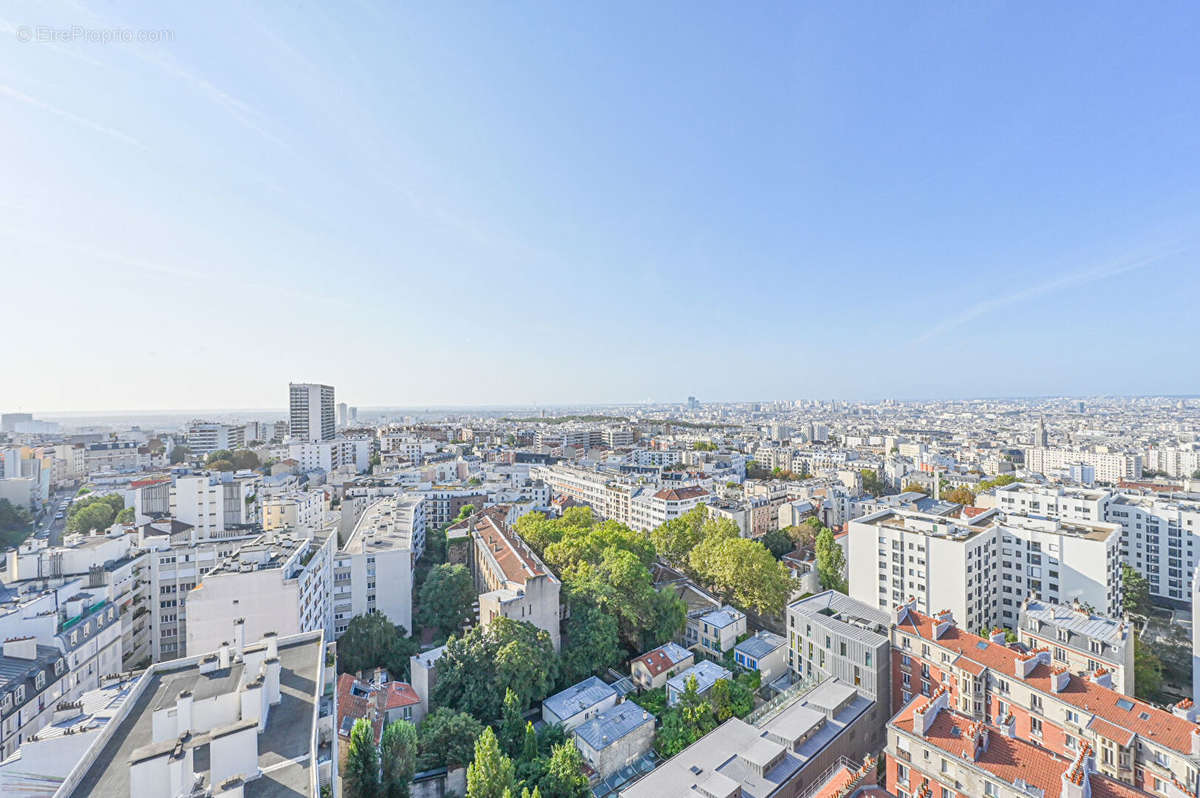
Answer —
373 572
275 583
981 569
311 411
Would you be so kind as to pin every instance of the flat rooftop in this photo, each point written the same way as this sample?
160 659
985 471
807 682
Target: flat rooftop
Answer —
386 525
284 746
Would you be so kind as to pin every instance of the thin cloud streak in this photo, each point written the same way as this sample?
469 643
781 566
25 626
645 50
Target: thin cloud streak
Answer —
21 97
1070 280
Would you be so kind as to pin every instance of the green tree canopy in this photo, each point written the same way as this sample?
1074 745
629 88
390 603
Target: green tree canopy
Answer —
564 774
447 739
94 512
372 641
998 482
1147 671
178 454
511 731
219 454
778 542
676 538
873 485
446 598
742 571
360 777
831 562
592 643
15 523
398 758
478 666
243 459
490 774
1136 591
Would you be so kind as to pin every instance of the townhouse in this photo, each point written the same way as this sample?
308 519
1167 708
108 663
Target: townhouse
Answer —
1027 696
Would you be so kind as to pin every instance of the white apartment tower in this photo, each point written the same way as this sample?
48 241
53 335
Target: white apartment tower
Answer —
981 569
312 411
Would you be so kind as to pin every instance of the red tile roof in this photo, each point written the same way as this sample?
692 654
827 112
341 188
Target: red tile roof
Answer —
1007 759
680 494
1159 726
656 661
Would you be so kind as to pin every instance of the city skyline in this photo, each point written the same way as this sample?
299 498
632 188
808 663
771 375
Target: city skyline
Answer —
846 202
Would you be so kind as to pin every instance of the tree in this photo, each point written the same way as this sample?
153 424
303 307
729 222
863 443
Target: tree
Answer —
446 598
244 459
677 537
398 757
218 454
179 454
361 775
564 774
872 484
592 642
125 516
490 774
690 719
529 743
372 641
914 487
1136 590
464 512
477 667
744 572
512 724
15 523
94 512
998 482
447 739
1147 671
778 542
960 495
831 562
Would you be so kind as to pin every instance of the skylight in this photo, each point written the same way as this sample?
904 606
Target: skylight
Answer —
1125 704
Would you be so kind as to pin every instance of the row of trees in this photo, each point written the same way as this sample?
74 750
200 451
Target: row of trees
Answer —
384 771
739 570
226 460
97 512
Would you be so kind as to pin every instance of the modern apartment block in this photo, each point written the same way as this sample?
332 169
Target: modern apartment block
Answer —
1079 639
831 634
312 414
1160 535
1025 695
1111 467
206 437
982 568
648 511
297 508
177 558
277 582
373 571
513 582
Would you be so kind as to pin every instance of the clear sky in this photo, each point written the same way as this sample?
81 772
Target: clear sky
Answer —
500 203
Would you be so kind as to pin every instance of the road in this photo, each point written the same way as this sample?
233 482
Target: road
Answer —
48 526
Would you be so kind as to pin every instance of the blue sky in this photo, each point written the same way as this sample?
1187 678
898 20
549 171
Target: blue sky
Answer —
494 203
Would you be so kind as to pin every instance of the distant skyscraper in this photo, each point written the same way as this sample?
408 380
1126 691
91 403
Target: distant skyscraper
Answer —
353 415
343 414
692 403
311 415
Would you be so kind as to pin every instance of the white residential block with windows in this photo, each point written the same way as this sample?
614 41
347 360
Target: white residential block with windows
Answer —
311 411
277 582
981 569
373 572
1160 535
